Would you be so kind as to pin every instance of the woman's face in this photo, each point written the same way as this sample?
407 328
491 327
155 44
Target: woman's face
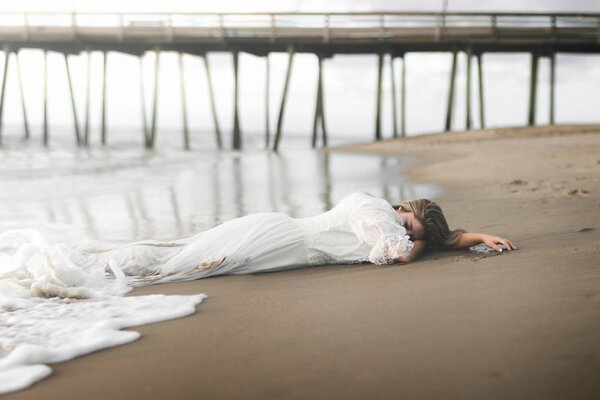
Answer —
414 227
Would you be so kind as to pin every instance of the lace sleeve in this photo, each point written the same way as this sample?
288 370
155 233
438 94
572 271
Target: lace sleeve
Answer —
377 224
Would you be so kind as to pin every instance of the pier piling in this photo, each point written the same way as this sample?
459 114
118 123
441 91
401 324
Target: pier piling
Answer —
468 119
286 85
319 109
267 103
450 102
403 98
481 100
86 132
237 137
45 89
22 92
152 139
73 103
533 88
552 82
143 103
394 103
103 126
186 132
322 104
3 90
378 104
213 106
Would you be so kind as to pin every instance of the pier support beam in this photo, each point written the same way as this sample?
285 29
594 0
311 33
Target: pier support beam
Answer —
237 136
286 85
552 81
481 100
450 102
319 109
152 138
213 106
394 103
468 119
22 92
45 137
533 88
103 127
378 105
88 73
403 98
186 132
3 90
267 102
143 104
73 103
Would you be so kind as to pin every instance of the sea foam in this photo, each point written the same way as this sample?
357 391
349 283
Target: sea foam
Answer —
56 305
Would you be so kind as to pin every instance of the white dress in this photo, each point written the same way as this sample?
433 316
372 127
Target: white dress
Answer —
359 228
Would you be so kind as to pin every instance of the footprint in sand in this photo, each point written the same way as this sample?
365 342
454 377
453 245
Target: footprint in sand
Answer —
586 230
579 192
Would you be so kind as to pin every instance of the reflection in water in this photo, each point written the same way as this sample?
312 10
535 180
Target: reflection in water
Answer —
116 196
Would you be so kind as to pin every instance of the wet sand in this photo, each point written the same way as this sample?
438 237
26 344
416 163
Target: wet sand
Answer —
521 325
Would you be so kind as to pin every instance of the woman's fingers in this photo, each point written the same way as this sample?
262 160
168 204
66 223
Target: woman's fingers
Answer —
509 246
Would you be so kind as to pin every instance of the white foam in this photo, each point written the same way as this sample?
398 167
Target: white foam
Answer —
56 305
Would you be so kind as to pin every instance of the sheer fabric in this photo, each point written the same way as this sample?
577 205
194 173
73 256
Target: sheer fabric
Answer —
359 228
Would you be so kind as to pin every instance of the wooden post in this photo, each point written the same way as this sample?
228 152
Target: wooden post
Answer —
322 104
25 120
533 88
468 121
267 103
284 97
73 104
143 104
45 139
450 102
317 105
552 82
103 128
152 140
481 100
237 140
212 102
378 106
3 90
394 103
319 109
86 133
403 98
186 132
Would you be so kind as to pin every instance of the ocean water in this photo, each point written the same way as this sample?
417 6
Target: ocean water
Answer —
56 200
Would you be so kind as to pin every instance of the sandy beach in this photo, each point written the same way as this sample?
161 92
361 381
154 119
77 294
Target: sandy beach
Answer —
523 325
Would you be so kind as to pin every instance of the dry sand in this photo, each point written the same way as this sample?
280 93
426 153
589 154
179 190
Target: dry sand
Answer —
523 325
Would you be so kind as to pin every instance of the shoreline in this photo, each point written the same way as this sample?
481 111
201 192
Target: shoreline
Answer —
453 324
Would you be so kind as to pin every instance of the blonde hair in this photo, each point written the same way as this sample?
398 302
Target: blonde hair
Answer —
430 214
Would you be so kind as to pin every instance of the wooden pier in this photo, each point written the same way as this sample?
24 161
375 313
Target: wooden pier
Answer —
389 35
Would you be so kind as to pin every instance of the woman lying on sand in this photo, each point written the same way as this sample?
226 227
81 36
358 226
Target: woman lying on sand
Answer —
361 228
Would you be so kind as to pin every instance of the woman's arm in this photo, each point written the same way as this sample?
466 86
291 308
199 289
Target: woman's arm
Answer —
467 240
418 247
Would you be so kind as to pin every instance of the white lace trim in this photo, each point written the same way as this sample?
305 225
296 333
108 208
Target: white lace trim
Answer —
389 248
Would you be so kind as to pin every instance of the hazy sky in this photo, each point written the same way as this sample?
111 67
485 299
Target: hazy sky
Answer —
301 5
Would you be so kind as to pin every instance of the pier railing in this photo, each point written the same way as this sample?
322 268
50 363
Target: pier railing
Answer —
314 27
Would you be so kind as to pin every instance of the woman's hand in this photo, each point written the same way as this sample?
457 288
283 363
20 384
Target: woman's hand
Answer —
467 240
494 241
